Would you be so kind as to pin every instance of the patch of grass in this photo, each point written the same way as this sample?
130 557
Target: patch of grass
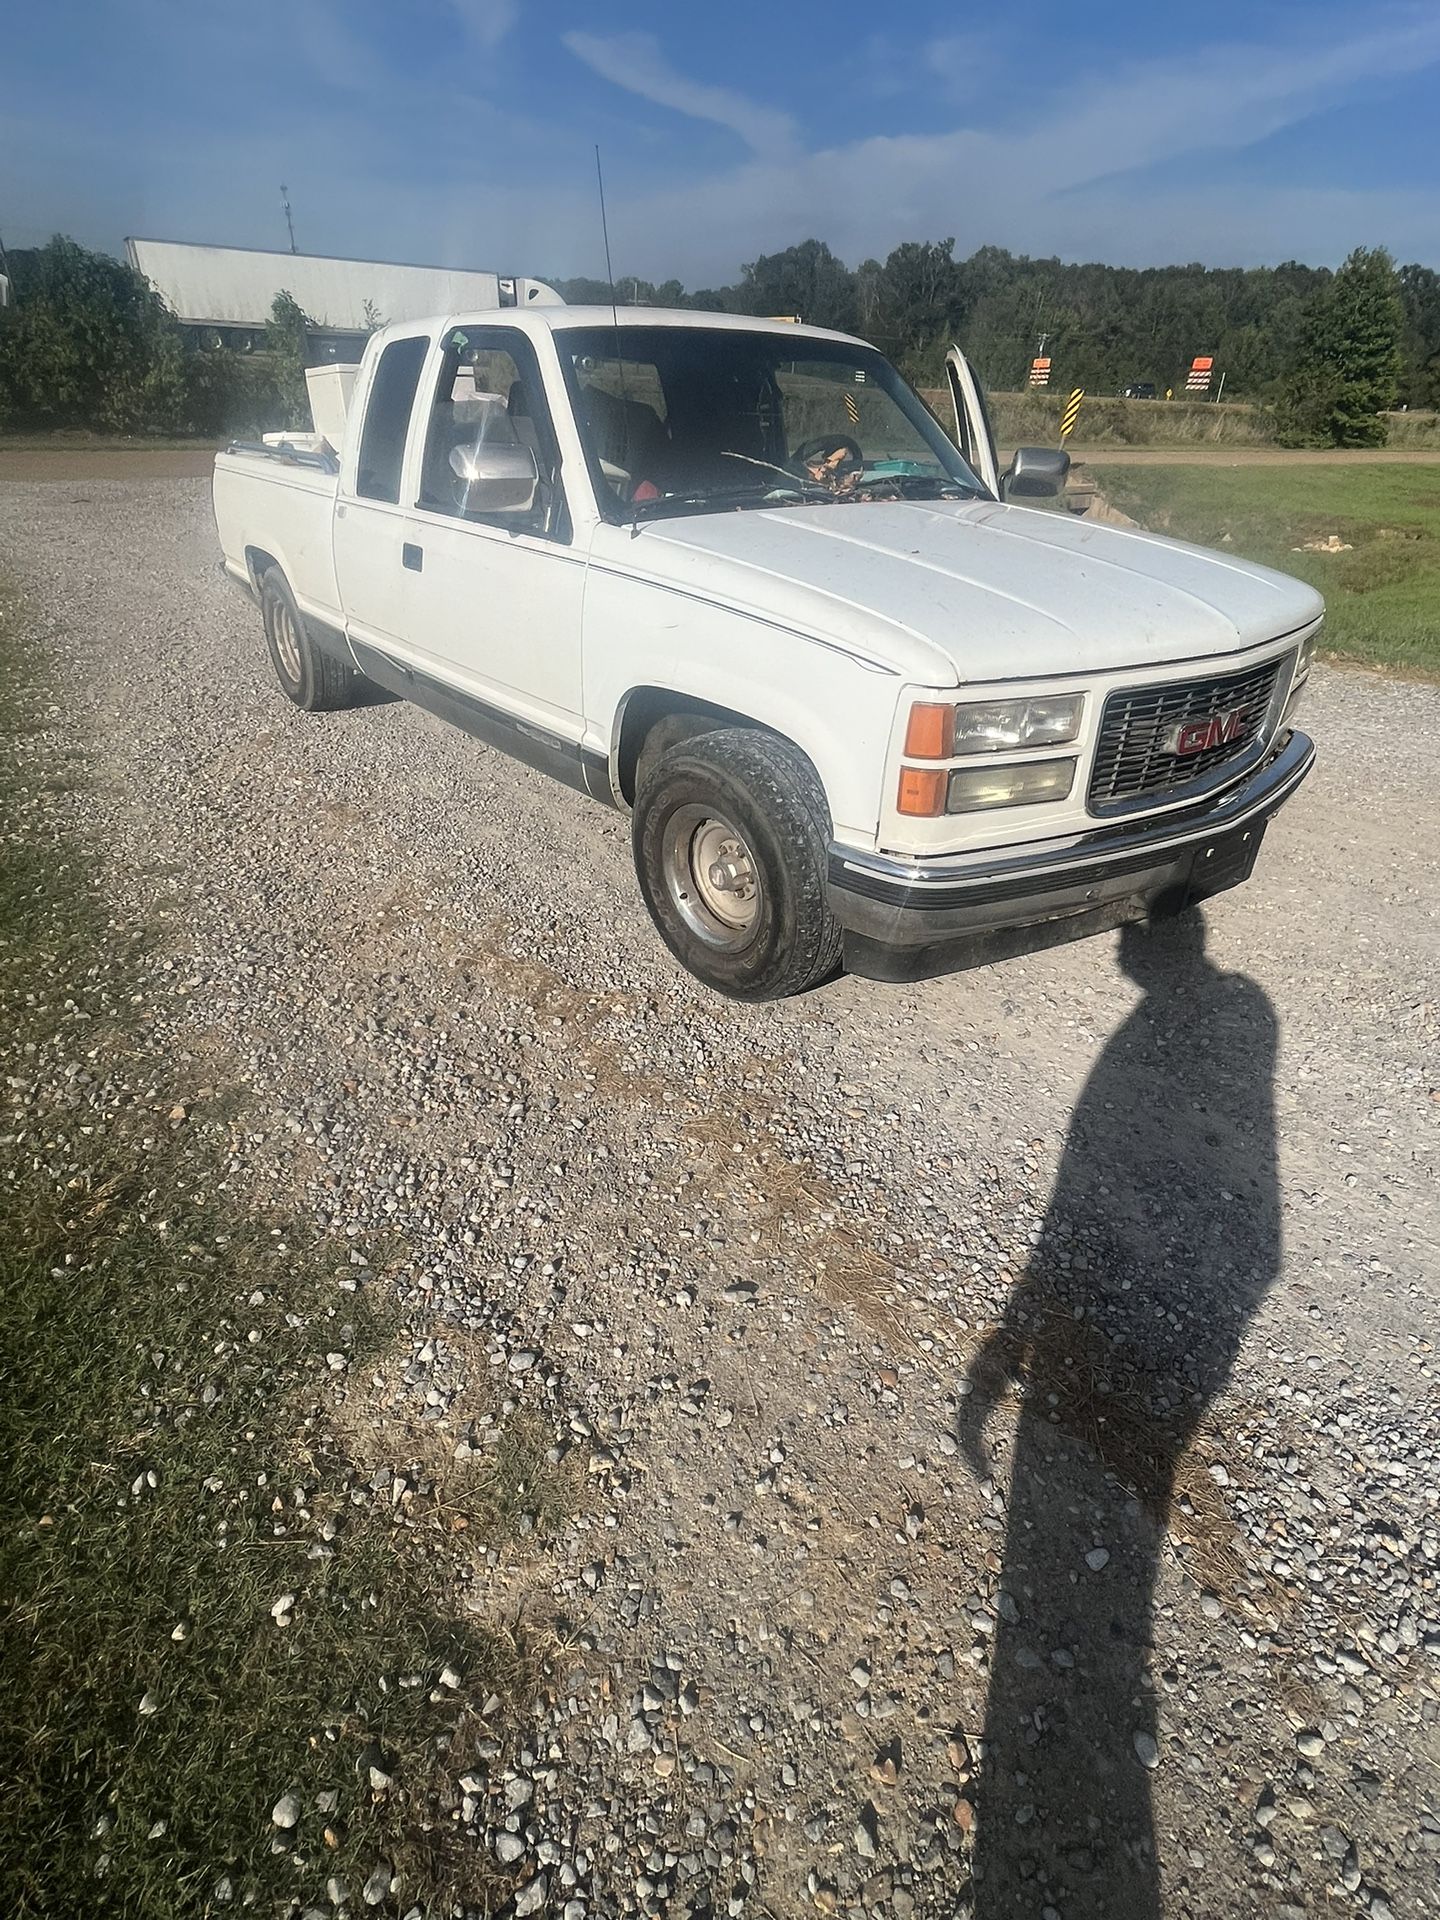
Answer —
174 1461
1383 596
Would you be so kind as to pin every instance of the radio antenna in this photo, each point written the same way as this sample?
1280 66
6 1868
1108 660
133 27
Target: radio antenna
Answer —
615 323
605 233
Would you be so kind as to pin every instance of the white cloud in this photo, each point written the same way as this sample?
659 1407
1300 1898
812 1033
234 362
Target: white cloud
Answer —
634 61
487 21
1049 183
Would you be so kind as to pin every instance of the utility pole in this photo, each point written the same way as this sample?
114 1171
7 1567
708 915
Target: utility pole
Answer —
290 224
1041 330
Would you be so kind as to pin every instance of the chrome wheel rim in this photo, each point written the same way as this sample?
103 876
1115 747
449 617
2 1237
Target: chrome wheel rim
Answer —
287 641
711 877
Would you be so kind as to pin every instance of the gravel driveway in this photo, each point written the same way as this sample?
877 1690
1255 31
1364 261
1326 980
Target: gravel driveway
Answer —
1010 1402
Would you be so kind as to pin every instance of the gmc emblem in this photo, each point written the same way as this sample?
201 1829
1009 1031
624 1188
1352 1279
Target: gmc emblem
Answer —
1199 736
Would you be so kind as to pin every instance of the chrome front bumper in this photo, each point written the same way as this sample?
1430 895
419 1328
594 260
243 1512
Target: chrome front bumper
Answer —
1114 873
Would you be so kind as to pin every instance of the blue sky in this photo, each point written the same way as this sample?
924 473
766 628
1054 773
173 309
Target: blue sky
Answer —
461 132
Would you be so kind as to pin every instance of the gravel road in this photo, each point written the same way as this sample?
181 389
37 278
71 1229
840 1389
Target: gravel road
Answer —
1010 1402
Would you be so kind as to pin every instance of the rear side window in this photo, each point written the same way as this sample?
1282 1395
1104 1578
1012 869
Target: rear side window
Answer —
387 419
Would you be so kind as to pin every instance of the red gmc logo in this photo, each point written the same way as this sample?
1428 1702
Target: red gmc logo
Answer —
1198 736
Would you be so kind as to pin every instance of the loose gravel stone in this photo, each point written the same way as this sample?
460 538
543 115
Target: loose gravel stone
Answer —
286 1811
731 1266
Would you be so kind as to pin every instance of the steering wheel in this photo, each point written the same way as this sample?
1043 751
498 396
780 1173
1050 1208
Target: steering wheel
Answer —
837 453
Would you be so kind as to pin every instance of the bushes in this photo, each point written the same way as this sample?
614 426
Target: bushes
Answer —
285 338
1033 419
90 344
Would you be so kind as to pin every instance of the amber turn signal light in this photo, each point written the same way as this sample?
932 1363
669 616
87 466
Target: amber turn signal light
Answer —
922 791
930 732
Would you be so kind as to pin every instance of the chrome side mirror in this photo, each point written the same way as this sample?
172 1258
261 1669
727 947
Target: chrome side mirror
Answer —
495 478
1035 473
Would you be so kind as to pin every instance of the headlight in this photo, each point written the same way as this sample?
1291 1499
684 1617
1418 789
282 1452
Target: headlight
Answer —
936 732
1023 784
992 726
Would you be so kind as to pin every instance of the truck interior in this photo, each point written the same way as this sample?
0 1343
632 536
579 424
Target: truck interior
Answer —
696 417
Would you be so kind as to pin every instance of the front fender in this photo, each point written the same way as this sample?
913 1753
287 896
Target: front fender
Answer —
836 707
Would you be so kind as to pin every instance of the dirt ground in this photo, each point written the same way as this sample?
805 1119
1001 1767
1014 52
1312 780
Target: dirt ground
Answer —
105 463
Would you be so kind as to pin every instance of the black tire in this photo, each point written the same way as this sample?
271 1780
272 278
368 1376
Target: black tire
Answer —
716 792
316 681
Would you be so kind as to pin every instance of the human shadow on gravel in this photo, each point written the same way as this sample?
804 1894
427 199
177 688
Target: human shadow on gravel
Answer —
1160 1241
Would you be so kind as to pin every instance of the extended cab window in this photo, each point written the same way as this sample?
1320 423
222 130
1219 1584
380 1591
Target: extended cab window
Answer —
490 449
387 419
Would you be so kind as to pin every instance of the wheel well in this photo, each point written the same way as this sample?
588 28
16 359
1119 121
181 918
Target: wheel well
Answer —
258 563
656 718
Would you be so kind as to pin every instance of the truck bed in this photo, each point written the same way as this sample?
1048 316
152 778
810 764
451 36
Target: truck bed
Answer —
277 504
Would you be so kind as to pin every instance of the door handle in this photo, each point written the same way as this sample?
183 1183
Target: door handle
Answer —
412 557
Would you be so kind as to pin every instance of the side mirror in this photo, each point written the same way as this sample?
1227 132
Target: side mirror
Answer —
1035 473
495 478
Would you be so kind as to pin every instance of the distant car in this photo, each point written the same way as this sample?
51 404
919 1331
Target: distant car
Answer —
1139 390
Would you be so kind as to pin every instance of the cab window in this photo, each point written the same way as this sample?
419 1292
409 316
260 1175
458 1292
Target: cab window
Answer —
387 419
490 452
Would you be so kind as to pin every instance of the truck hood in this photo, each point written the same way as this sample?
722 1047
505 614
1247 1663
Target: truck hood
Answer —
974 591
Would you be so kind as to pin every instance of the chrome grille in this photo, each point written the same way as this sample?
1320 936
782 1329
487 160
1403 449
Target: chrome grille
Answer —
1135 754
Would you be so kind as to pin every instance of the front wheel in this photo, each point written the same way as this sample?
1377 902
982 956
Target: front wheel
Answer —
730 835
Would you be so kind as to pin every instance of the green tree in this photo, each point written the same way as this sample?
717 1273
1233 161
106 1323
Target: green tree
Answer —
808 280
89 343
1420 297
916 300
1349 366
287 340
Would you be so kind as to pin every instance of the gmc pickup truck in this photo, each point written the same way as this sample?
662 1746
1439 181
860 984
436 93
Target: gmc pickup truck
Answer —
734 576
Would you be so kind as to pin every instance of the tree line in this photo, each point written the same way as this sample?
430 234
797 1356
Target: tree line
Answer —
87 341
1328 350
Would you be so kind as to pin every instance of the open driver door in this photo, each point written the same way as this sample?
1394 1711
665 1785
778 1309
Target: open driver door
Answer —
973 433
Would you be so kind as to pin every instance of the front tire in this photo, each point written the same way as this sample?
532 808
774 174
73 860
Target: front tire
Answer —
730 835
314 680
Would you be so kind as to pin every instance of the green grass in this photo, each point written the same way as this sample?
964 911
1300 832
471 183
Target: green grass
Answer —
1383 596
173 1459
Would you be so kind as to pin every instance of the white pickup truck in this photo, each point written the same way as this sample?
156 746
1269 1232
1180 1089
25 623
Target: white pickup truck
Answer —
733 576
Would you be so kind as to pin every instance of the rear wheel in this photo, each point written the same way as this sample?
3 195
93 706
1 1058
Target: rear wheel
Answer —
730 835
313 679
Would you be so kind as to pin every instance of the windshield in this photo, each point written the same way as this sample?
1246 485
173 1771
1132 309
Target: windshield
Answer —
710 420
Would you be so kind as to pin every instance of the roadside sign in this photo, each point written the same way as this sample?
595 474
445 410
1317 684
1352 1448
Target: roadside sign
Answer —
1040 371
1198 378
1071 413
